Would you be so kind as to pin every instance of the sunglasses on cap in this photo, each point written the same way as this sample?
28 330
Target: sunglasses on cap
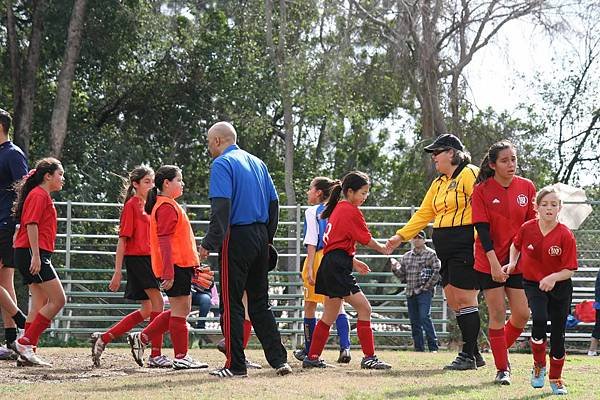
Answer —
439 151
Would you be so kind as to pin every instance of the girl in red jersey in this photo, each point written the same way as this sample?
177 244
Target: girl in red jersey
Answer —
548 260
34 245
174 256
501 203
334 278
133 251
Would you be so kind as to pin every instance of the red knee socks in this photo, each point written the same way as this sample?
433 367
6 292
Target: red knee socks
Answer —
179 336
157 340
365 337
123 326
511 333
158 326
556 367
499 348
539 352
319 339
35 330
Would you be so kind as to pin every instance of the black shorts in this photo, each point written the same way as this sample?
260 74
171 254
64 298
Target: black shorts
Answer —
486 282
334 277
454 248
139 277
7 253
182 285
23 262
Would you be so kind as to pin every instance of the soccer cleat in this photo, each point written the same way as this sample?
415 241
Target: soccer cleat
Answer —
316 363
26 352
137 347
373 362
299 354
21 362
227 373
252 365
462 362
283 369
159 362
188 362
538 374
479 360
344 357
98 347
502 378
558 387
221 346
7 354
592 353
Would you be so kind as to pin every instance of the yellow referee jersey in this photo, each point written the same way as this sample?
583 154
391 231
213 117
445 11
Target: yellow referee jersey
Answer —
448 201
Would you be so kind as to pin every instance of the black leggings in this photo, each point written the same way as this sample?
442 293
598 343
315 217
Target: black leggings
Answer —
550 306
596 331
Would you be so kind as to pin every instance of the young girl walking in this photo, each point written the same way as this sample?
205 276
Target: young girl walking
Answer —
314 228
334 279
502 202
174 256
34 245
548 260
133 251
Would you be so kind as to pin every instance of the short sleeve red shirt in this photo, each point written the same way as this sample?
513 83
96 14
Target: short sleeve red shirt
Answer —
38 209
505 210
135 228
346 226
544 255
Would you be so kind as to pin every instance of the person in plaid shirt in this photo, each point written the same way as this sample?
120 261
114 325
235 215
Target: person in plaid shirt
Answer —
419 268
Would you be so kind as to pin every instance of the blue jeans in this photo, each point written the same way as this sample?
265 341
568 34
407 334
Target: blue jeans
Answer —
202 300
419 312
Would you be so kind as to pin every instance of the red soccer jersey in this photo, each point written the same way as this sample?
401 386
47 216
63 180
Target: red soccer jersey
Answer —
505 209
38 209
346 226
543 255
135 228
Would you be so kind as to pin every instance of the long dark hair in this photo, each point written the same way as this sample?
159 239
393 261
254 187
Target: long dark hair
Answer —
325 185
136 175
485 171
168 172
353 180
34 178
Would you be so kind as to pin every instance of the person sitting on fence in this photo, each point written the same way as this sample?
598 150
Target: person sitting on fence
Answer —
419 268
548 260
133 251
34 246
593 351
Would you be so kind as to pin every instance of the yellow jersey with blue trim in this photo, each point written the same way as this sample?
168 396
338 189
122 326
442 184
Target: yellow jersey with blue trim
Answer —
447 202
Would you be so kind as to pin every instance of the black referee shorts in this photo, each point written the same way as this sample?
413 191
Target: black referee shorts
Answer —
7 253
139 277
454 248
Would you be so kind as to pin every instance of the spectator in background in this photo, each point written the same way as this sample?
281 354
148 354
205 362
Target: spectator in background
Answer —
593 351
419 268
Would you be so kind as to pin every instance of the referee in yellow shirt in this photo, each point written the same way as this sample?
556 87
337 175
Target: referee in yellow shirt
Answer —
448 204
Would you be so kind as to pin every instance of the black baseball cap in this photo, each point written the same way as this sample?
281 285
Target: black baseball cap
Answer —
421 235
445 141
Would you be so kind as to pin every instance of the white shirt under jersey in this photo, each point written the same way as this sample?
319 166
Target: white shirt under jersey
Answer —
311 235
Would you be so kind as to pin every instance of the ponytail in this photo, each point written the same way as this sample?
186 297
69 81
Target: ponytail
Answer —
136 175
485 171
334 198
353 180
325 185
166 172
34 178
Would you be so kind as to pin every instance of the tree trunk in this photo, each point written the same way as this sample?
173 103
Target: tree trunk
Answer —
60 113
24 109
15 64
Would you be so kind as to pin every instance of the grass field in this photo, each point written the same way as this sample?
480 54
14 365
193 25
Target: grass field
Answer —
414 376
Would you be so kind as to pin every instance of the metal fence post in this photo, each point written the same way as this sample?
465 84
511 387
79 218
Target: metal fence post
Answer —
67 324
298 325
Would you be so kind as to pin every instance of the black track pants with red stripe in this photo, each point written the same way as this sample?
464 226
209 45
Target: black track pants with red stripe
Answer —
243 260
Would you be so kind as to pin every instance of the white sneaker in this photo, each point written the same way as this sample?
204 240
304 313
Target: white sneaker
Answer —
188 362
159 362
137 347
98 347
28 354
592 353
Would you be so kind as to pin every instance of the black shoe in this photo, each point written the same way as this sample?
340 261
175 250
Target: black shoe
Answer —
221 346
462 362
318 363
479 360
344 357
502 378
227 373
252 365
373 362
300 354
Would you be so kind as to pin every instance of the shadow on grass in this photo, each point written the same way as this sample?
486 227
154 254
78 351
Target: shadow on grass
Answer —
434 390
178 379
545 395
